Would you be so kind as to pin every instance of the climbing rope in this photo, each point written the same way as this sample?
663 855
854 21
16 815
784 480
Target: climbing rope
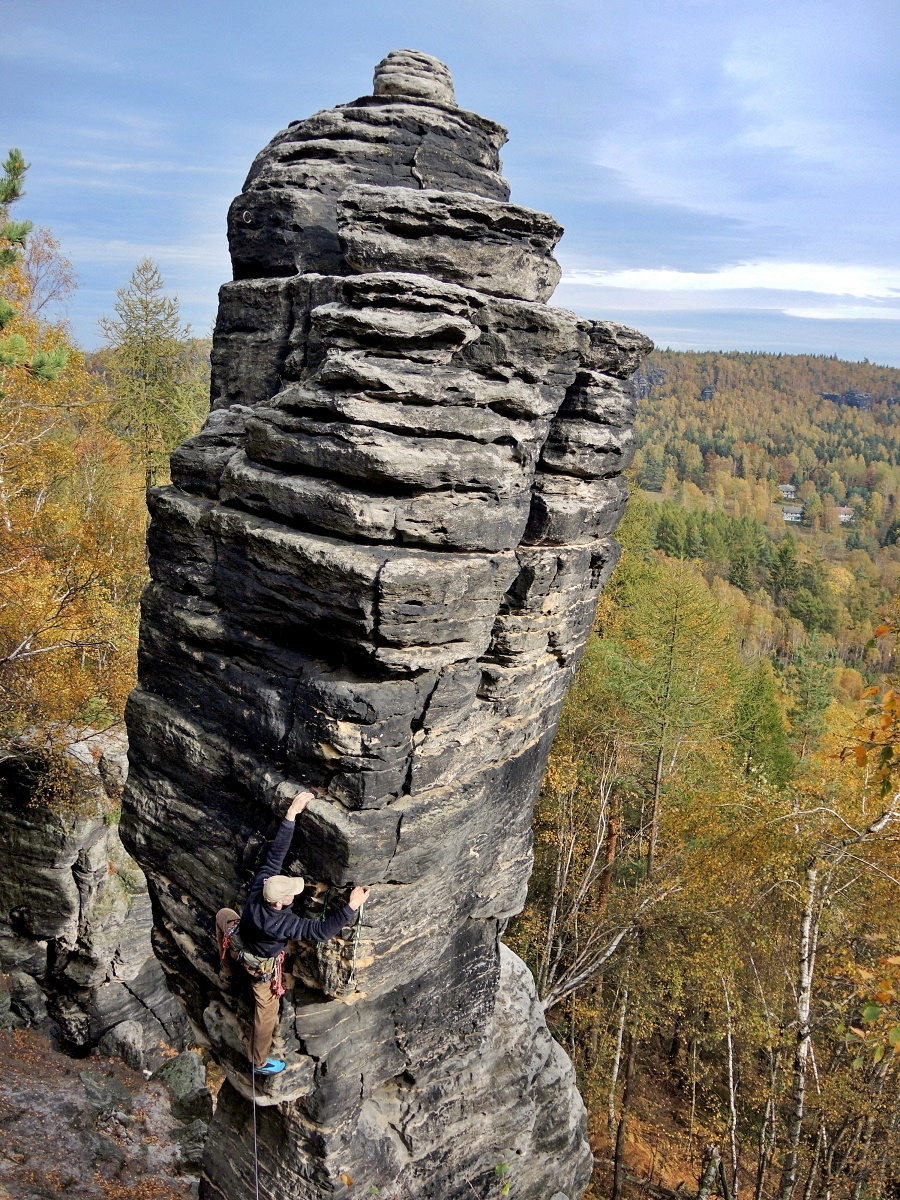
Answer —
351 980
255 1146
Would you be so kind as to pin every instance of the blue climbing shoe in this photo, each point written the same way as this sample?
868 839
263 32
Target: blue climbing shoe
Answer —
272 1066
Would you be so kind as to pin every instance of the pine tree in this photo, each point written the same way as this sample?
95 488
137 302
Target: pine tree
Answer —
158 395
15 351
809 679
12 232
672 532
694 546
760 738
741 574
785 569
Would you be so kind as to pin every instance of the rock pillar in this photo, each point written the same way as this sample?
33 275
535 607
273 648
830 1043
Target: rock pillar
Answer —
374 572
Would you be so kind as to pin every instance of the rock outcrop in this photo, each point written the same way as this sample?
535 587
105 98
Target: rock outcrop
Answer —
88 1130
375 572
75 917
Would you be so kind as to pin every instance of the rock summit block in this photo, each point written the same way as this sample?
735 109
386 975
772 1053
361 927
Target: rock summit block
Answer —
409 73
375 572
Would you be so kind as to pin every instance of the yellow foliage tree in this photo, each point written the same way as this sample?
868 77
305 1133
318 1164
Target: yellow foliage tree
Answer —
71 526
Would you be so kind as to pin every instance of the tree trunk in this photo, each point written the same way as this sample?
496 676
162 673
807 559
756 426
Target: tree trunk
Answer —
805 969
814 1165
847 1156
617 1058
597 1001
609 859
619 1156
766 1148
711 1160
654 812
888 1142
864 1170
612 845
732 1099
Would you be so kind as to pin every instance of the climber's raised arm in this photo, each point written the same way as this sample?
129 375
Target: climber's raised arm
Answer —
283 839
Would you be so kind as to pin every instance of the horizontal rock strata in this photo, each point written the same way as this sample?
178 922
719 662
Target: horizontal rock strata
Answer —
375 572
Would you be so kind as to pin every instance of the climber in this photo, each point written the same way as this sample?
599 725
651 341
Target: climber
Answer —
257 939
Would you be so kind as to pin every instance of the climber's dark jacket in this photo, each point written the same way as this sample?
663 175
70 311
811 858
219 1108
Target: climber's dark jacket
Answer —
264 930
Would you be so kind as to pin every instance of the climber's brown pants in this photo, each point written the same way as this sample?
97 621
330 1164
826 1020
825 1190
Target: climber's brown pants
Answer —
265 1016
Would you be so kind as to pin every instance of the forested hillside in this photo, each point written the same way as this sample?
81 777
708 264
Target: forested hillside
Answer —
713 920
718 434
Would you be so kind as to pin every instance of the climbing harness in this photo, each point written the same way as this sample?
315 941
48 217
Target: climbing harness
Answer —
260 969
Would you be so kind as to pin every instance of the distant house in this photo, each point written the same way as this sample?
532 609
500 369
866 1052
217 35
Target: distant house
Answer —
792 512
788 491
845 514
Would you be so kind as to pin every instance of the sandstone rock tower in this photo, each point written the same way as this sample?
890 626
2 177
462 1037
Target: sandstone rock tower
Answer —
375 572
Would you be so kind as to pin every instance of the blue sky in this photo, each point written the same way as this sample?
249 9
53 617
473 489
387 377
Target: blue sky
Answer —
727 170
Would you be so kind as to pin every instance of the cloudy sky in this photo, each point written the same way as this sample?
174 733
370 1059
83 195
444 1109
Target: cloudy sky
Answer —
727 170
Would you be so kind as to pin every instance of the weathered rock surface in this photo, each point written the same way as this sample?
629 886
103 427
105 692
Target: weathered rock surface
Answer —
500 248
88 1134
185 1077
75 916
375 573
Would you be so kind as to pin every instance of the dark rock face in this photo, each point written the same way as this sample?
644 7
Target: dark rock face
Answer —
75 917
852 399
375 573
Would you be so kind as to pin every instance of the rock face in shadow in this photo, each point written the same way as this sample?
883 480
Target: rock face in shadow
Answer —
75 917
375 572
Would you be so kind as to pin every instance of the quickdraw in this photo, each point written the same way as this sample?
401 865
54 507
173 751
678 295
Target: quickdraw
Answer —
350 982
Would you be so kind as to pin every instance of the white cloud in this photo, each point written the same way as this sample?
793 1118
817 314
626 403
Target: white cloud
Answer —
846 312
115 251
156 166
831 279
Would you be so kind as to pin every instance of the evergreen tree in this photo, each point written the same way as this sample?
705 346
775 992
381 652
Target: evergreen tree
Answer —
694 544
15 352
12 232
740 573
760 738
809 680
671 663
672 532
158 393
784 573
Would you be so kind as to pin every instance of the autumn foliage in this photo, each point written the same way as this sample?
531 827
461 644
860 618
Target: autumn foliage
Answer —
713 918
72 517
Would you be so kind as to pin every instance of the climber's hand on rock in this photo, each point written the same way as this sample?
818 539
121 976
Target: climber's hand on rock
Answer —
297 805
358 897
